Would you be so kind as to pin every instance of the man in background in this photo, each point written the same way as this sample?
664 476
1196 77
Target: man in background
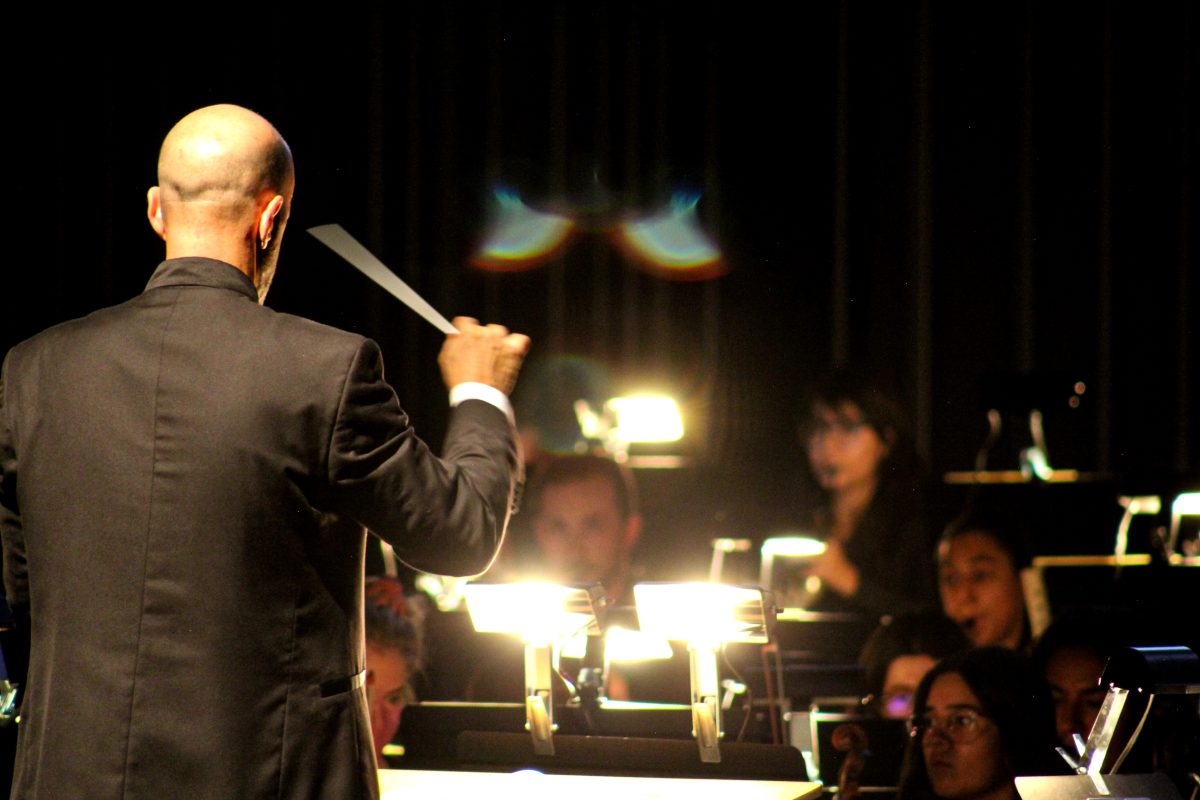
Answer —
585 522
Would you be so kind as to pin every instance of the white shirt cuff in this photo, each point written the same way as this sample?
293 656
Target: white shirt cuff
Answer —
481 391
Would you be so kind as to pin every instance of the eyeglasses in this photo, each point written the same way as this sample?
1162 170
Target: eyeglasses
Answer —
961 726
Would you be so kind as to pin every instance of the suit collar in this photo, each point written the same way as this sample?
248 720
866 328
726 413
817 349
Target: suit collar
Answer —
201 272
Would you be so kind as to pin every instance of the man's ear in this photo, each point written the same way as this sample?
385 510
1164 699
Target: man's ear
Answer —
154 212
266 220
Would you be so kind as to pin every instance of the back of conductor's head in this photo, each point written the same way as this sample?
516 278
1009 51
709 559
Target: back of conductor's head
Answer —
225 183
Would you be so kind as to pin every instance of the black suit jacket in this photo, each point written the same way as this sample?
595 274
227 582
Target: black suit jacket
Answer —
178 474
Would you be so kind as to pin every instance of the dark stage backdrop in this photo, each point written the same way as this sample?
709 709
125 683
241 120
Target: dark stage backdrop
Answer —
938 193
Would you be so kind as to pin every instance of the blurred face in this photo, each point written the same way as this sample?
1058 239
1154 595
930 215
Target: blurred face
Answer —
981 590
1074 679
581 533
843 450
387 692
903 676
961 747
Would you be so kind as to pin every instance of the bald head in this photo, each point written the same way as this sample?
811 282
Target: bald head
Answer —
223 158
225 175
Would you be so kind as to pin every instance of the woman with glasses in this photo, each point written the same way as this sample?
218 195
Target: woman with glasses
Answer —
983 718
863 494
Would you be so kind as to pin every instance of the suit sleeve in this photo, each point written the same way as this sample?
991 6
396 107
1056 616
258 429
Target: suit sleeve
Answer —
444 515
16 578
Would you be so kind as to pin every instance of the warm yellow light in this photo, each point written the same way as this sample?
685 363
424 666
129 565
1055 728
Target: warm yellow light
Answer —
1141 504
647 419
538 612
702 613
626 645
575 646
1186 504
793 546
621 644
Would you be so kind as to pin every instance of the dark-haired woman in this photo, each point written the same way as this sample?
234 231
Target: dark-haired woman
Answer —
979 577
983 717
864 493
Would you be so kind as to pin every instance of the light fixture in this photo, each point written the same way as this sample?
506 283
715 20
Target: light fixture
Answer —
634 419
1146 671
544 616
647 418
801 550
721 548
1141 504
622 645
1185 505
707 616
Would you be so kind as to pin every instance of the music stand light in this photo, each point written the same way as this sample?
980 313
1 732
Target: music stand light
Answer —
706 616
544 616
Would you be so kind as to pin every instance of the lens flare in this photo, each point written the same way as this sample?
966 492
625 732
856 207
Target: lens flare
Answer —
671 242
520 237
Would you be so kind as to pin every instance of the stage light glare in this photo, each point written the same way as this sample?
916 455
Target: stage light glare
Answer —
647 418
621 644
544 615
537 612
793 546
574 646
707 614
1186 504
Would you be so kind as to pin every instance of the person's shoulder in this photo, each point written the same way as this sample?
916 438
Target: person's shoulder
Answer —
66 331
307 328
302 333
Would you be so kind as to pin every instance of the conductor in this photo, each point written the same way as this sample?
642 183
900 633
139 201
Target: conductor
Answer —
185 480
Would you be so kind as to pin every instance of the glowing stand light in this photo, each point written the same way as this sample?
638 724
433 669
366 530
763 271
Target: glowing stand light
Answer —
647 419
707 616
801 549
721 548
1185 505
1145 504
446 591
622 645
544 616
624 421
